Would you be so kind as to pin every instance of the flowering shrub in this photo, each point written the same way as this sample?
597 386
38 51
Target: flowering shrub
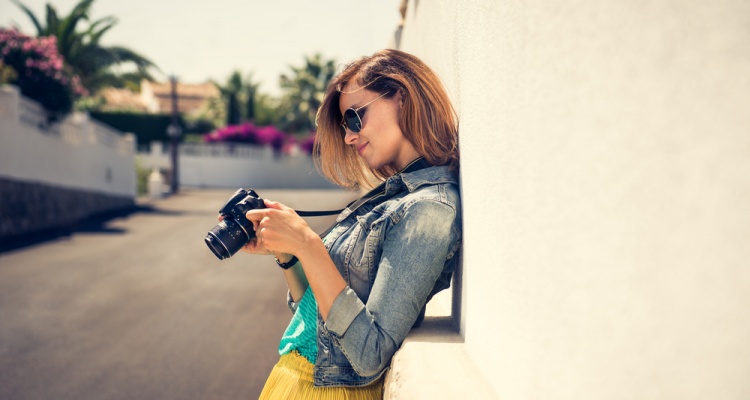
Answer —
260 135
40 71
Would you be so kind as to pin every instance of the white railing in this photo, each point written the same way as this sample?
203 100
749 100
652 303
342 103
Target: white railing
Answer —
224 150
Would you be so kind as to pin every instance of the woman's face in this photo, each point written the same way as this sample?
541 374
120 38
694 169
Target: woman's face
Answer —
380 141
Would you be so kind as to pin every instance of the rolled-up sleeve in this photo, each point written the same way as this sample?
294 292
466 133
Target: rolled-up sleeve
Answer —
414 252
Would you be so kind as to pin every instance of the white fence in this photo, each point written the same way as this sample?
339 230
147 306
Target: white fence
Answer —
233 166
77 153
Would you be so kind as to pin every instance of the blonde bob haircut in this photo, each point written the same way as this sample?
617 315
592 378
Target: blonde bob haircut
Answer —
426 117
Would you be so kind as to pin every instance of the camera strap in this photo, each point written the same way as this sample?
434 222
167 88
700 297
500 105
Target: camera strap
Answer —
378 191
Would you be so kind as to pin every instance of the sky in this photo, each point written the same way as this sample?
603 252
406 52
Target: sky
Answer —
201 40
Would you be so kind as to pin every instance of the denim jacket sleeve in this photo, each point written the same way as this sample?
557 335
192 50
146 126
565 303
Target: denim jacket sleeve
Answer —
414 253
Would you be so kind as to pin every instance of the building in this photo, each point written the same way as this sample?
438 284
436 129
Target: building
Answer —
156 97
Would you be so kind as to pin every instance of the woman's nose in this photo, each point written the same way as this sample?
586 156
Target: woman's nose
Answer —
350 137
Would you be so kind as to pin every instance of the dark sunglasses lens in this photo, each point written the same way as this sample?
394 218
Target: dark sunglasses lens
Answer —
352 120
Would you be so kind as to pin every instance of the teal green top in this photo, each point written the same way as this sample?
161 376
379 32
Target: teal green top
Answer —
301 334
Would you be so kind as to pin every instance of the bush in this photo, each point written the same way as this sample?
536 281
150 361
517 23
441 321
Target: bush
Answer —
142 174
40 72
250 134
147 128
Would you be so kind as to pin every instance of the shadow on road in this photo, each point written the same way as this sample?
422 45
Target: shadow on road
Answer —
96 224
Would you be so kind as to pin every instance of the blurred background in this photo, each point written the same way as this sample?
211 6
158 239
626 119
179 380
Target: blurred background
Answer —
232 72
124 127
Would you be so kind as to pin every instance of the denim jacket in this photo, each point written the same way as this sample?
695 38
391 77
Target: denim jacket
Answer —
394 252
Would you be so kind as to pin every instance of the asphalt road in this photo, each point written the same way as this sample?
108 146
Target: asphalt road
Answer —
139 308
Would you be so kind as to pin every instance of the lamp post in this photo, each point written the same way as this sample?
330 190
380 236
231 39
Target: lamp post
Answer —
174 131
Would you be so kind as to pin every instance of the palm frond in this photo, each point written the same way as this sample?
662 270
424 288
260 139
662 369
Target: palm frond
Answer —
53 22
70 23
32 17
95 35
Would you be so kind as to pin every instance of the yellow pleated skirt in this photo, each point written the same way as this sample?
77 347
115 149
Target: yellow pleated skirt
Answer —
292 378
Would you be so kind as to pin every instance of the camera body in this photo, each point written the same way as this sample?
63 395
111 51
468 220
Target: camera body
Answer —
231 234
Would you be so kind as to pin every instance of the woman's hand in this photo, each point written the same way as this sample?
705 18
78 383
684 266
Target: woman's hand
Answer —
279 229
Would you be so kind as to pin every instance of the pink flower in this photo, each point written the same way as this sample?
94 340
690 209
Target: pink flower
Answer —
40 69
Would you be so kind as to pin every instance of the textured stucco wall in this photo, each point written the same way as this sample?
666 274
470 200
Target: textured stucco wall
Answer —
606 191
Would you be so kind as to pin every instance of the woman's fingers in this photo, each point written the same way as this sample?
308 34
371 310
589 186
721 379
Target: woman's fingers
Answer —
256 215
253 247
277 227
275 205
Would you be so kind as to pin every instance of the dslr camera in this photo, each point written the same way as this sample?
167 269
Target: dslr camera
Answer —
231 234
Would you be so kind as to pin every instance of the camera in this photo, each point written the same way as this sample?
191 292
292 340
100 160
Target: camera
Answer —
231 234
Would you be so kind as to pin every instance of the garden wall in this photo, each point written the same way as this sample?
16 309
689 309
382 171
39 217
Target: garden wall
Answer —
223 165
52 176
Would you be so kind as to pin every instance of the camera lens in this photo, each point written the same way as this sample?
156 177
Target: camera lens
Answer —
217 247
227 238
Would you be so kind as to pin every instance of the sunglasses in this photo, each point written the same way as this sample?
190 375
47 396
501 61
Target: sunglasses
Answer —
352 118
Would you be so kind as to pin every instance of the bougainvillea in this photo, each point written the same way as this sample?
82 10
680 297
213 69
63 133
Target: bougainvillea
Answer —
40 71
260 135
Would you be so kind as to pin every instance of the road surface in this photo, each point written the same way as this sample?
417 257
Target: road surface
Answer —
139 308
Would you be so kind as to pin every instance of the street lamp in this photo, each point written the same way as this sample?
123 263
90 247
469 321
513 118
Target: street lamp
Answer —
174 131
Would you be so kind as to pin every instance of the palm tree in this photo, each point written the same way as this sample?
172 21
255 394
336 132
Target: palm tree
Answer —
304 92
83 51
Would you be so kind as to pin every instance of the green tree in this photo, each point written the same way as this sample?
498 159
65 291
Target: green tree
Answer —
250 89
268 110
232 93
304 90
237 92
7 74
83 51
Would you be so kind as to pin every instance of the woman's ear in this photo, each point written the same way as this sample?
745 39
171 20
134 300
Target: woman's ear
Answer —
399 97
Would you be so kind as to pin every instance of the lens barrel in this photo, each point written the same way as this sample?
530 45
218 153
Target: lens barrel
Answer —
227 238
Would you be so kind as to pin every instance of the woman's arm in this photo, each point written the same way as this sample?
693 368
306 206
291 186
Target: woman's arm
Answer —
325 280
295 277
414 254
280 230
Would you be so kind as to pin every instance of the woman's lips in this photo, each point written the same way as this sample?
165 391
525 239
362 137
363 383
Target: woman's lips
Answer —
361 148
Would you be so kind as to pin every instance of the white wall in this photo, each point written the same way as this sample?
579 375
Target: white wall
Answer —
235 166
606 191
78 153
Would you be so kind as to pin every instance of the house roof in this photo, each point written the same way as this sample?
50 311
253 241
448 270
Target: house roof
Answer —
202 90
156 97
122 99
190 97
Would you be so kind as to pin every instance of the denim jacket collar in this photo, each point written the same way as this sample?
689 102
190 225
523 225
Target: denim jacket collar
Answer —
427 176
411 181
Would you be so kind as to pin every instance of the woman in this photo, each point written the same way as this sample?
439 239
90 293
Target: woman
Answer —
357 291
